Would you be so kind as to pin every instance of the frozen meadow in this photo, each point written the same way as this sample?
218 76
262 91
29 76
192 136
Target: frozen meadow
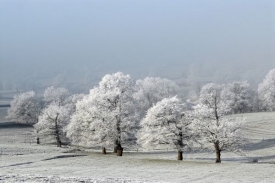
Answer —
22 160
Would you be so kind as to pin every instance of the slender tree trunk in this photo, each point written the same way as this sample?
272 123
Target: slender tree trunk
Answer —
180 144
216 144
103 150
116 146
119 150
218 152
58 142
179 155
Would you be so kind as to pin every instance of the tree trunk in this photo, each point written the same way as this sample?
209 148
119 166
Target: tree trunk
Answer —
103 150
218 152
115 149
179 155
116 146
119 151
58 142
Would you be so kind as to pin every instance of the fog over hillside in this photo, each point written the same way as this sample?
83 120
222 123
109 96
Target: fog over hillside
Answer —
75 43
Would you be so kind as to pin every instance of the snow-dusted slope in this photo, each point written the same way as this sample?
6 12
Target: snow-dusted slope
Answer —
21 160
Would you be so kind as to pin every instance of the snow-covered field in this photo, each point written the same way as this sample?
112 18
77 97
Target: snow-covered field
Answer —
21 160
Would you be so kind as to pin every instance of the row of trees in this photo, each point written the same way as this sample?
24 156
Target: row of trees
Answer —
49 113
121 112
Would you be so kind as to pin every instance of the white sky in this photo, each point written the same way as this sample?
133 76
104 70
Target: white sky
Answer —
141 34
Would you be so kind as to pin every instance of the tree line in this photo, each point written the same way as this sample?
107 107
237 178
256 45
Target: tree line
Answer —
148 113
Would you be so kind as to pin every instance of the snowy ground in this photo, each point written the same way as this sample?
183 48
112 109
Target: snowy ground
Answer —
21 160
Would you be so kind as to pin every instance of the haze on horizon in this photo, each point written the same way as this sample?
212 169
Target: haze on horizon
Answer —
143 38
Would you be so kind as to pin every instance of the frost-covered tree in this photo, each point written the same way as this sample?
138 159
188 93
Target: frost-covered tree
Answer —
62 97
88 122
237 97
255 102
56 115
151 90
118 98
107 114
166 125
25 108
70 102
52 122
266 91
212 123
79 121
56 95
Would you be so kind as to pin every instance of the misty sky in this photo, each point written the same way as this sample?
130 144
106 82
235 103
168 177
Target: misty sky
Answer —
142 34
